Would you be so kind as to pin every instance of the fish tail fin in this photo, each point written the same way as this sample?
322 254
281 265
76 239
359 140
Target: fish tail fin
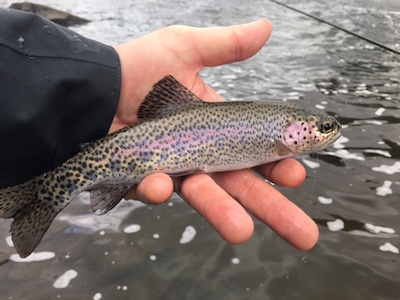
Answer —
32 216
15 199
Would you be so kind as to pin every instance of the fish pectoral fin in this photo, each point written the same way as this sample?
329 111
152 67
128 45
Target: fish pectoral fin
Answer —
282 149
167 95
104 198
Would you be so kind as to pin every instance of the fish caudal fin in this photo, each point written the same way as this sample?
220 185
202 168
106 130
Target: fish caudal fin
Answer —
31 216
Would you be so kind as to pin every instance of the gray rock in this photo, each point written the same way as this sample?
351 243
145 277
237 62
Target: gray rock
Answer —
55 15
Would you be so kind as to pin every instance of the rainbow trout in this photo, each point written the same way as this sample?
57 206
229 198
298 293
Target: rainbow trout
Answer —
179 134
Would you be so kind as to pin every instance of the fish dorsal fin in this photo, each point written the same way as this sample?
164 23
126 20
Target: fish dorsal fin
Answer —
104 198
167 95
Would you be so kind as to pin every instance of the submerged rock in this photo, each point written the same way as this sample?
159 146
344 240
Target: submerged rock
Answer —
55 15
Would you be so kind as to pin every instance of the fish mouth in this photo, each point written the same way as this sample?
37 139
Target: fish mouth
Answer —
334 138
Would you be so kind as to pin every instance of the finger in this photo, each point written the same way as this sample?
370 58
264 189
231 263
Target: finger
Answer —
271 207
153 189
288 172
225 214
223 45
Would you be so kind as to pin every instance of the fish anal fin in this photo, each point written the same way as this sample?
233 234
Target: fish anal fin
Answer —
167 95
106 197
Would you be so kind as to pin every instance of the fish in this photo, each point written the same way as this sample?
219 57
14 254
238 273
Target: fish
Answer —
178 134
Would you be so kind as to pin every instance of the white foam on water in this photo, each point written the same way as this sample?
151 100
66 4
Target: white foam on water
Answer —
153 257
319 106
304 87
343 153
339 143
390 170
374 122
156 236
63 281
324 200
335 225
9 241
132 228
379 111
95 223
388 247
35 256
363 92
188 235
380 152
311 164
384 189
235 260
378 229
97 296
229 76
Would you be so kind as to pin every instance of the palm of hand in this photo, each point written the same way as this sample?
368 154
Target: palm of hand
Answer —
221 198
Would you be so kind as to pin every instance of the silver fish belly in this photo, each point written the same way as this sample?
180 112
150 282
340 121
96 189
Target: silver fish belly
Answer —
179 135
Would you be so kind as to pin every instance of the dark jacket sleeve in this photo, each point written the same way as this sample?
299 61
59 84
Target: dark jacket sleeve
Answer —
58 89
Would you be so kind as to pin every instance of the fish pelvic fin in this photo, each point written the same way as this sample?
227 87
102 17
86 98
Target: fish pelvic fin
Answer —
32 216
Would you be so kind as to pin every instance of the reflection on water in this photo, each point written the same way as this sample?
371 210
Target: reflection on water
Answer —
351 191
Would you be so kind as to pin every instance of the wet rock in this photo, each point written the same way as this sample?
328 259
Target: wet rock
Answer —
55 15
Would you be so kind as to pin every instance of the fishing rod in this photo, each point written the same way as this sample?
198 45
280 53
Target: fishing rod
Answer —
338 27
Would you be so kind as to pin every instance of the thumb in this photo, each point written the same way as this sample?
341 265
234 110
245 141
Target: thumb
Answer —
223 45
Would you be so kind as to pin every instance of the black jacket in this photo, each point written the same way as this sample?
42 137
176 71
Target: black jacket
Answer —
58 89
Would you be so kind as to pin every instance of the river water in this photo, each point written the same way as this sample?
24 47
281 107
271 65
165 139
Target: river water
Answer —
352 190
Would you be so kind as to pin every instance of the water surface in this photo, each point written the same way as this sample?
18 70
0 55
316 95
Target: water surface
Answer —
352 189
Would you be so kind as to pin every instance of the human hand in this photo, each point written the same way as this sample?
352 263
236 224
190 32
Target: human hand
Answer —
221 198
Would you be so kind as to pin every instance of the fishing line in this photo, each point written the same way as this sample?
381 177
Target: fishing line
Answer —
338 27
313 184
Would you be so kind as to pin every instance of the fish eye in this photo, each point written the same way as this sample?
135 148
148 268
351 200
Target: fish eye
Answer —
325 127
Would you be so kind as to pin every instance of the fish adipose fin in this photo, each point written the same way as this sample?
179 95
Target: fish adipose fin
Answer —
167 95
32 216
105 198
